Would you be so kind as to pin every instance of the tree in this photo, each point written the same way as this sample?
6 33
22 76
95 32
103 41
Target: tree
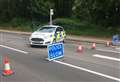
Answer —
40 9
4 14
14 8
103 12
63 8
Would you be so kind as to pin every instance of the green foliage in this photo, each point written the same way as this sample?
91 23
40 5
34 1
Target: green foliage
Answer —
20 24
3 10
10 9
76 27
71 26
40 9
102 15
63 8
63 21
103 12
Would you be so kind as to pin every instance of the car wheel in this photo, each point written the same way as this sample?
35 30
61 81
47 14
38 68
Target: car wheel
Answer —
31 45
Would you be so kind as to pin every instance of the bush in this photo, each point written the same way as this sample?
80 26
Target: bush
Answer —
67 23
71 26
76 27
19 24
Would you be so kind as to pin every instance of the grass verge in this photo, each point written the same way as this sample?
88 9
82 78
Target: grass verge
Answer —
71 26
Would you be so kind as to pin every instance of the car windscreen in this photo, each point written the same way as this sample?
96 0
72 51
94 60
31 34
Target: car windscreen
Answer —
46 29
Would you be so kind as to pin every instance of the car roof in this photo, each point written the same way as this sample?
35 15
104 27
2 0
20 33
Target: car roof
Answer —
51 26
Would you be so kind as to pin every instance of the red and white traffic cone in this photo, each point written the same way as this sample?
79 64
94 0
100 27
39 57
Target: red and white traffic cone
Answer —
93 46
108 44
7 69
80 48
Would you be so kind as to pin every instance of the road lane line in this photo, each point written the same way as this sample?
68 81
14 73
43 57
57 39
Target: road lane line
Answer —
14 49
108 51
106 57
118 48
87 70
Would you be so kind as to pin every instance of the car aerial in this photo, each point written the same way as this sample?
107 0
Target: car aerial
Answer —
47 34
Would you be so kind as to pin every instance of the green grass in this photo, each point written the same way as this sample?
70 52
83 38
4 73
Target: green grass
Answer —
76 27
18 24
71 26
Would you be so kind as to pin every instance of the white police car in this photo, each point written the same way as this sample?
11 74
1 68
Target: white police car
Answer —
45 34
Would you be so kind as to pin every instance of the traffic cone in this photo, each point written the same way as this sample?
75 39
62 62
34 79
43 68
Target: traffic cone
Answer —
93 46
7 69
80 48
108 44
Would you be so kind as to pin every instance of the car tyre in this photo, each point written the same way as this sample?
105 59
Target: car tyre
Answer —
31 45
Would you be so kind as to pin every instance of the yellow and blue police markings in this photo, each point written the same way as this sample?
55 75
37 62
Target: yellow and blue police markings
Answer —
61 37
55 51
63 34
58 37
52 38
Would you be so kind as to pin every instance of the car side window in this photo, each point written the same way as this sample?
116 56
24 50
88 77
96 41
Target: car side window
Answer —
56 32
59 29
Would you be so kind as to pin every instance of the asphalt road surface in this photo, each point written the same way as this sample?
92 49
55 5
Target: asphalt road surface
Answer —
30 65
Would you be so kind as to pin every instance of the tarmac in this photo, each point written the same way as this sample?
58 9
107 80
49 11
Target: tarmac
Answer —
69 37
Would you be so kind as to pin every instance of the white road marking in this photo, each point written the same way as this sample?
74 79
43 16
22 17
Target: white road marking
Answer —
14 49
87 70
108 51
106 57
118 48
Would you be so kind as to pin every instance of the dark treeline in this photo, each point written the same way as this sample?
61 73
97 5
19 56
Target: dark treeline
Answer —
102 12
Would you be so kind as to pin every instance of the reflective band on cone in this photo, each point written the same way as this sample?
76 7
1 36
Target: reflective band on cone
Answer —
7 66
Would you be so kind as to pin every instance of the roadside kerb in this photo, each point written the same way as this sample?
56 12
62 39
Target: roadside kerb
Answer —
69 37
15 32
87 39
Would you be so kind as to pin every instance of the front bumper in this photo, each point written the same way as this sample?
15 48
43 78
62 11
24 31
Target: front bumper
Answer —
39 43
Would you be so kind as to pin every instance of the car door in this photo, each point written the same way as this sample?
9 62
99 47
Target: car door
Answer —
61 30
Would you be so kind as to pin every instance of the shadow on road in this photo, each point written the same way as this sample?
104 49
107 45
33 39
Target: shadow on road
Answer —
34 46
